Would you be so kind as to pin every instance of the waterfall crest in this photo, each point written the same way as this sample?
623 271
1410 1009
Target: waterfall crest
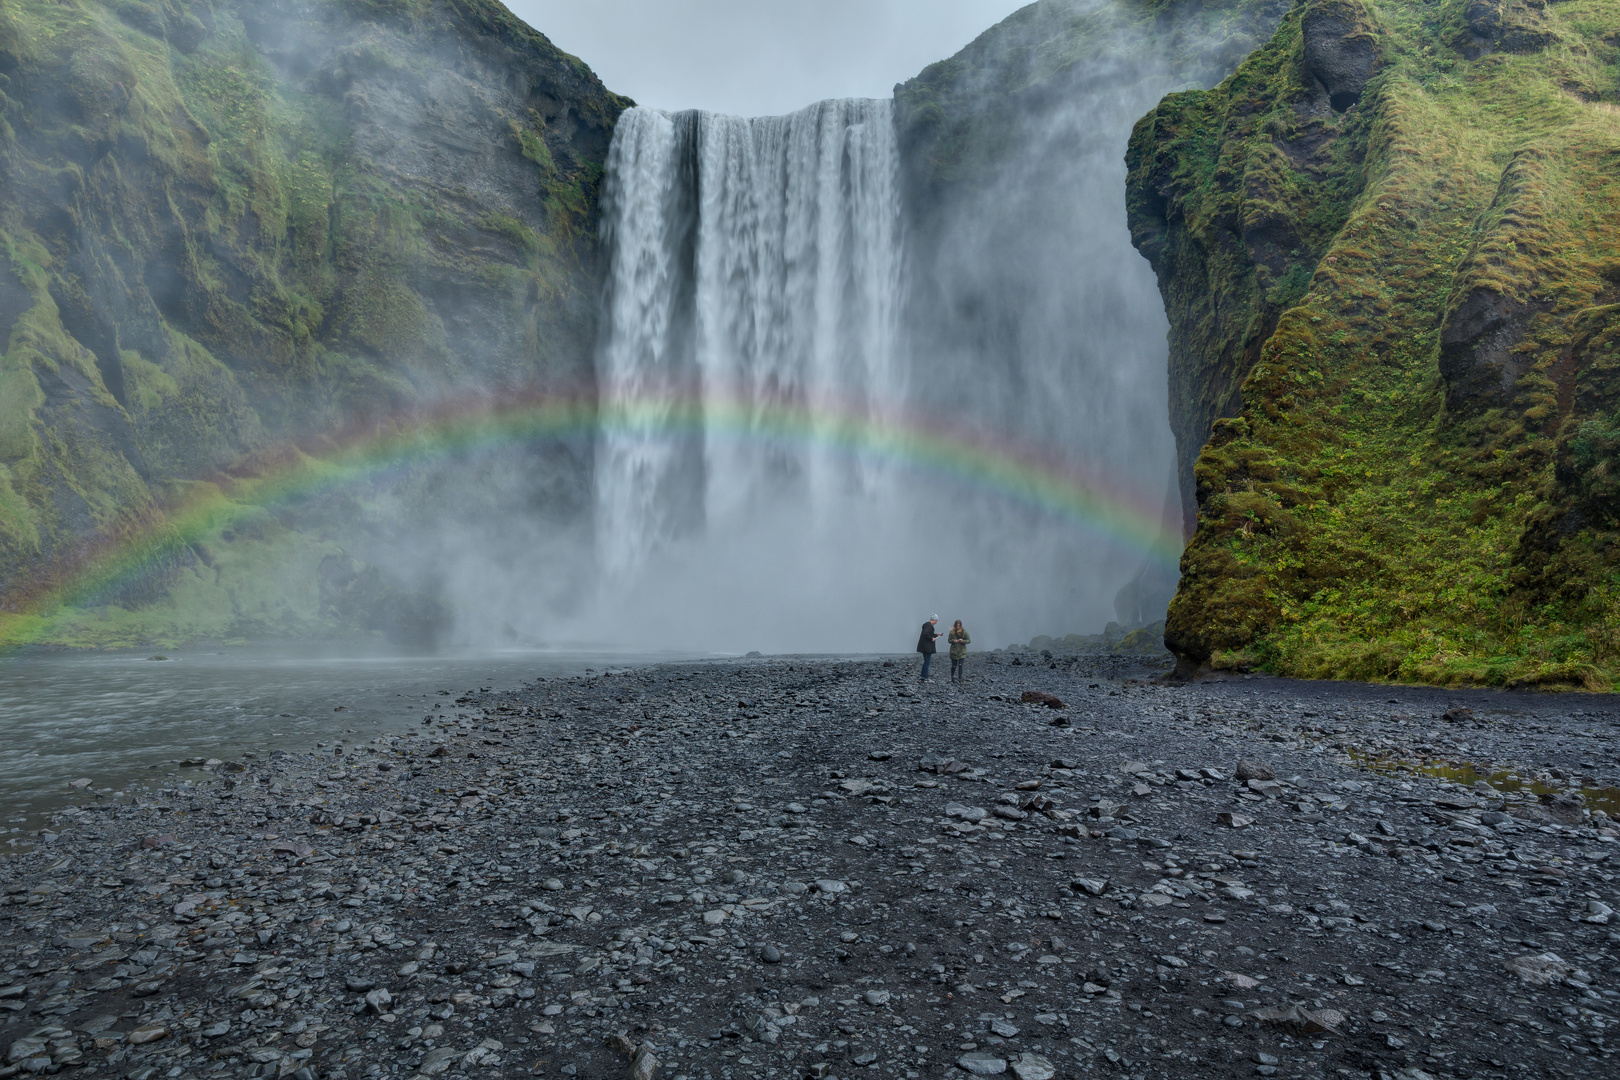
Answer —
753 283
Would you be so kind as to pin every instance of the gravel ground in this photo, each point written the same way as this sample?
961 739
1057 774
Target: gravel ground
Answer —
791 868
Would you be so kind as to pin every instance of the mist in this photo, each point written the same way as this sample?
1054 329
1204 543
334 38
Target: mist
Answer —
830 388
745 269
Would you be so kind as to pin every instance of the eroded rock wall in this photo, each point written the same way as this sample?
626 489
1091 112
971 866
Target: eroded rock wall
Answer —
1386 245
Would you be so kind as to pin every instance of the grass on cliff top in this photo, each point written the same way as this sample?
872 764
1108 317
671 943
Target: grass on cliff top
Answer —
1386 538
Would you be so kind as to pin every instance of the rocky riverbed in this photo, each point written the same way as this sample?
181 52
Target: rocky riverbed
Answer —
791 868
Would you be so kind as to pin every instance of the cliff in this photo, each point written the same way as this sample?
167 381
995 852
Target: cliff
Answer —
963 120
234 226
1387 246
1020 263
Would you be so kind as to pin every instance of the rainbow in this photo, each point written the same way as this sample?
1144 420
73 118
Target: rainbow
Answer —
370 448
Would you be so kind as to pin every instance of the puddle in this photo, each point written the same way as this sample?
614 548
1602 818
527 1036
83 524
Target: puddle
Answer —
1606 799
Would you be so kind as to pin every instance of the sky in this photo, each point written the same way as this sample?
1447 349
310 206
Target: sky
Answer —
758 57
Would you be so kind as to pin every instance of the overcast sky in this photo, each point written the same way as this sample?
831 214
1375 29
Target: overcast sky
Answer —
759 57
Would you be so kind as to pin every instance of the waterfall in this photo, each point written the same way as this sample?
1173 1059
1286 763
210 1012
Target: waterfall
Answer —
752 299
810 438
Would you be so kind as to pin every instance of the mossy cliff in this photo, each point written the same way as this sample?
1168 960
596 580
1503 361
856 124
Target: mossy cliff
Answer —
1389 246
230 225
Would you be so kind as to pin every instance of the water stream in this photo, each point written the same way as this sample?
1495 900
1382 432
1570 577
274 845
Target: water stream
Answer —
118 719
1469 775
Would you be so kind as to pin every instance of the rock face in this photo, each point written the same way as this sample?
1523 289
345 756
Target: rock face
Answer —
1340 51
1387 253
1226 281
1011 171
229 225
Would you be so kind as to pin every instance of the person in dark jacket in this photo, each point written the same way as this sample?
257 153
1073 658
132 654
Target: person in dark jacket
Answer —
925 643
959 641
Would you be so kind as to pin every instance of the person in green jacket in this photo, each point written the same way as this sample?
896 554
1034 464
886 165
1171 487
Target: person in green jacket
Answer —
959 641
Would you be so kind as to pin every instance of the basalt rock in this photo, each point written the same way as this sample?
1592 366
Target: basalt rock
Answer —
1512 26
1340 50
1253 770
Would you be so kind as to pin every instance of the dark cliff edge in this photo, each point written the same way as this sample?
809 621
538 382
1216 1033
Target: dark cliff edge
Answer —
1387 246
233 228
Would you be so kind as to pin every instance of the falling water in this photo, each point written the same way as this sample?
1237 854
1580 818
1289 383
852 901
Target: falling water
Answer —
757 314
754 273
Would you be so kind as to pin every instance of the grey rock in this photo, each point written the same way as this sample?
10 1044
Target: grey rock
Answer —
982 1064
643 1065
438 1060
1253 770
1028 1066
1539 969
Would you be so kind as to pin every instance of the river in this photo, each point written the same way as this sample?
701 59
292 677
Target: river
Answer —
123 720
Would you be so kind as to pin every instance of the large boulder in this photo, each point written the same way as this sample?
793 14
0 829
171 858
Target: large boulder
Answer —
1341 51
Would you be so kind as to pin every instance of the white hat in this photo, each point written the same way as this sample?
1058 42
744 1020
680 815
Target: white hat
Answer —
933 618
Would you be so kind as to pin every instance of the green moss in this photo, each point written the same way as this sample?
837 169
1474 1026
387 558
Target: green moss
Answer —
532 143
214 269
17 519
1364 515
261 583
147 384
20 397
